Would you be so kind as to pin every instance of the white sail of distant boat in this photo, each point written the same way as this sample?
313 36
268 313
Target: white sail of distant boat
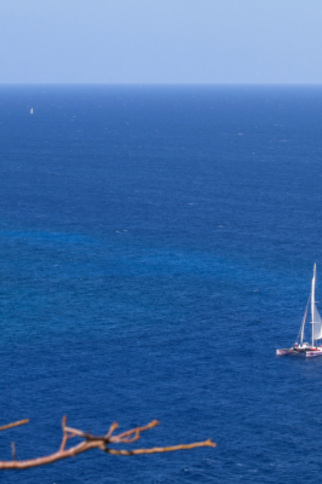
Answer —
303 323
32 111
305 348
316 318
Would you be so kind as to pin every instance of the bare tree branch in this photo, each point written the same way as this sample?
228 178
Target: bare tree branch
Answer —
94 441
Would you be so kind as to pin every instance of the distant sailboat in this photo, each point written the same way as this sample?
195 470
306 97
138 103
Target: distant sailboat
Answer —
32 111
308 349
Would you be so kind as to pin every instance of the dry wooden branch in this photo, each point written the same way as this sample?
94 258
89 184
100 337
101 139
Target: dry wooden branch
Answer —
94 441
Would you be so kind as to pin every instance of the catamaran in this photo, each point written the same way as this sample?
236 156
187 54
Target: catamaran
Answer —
302 347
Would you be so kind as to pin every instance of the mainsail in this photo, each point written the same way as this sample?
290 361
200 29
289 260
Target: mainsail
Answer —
316 323
301 335
316 318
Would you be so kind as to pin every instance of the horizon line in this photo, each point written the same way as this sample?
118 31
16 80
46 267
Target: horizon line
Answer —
163 84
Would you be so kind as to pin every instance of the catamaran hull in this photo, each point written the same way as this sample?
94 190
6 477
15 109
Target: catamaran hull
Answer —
308 352
285 352
290 351
313 353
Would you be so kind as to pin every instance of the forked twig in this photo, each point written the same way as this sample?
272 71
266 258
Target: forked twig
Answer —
94 441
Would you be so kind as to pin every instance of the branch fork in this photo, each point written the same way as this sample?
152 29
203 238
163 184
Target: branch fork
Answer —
90 441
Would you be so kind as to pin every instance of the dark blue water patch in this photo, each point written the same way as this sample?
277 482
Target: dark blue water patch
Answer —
156 246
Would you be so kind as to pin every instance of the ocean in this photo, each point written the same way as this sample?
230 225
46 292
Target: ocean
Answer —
156 247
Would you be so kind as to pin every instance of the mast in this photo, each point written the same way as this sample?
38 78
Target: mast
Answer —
313 302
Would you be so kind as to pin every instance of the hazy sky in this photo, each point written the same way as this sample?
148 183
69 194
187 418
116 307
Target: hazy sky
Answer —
160 41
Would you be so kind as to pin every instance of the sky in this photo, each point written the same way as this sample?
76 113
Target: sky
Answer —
160 41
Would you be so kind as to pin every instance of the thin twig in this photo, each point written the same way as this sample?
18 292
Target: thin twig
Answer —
13 451
149 426
157 450
113 427
14 424
65 434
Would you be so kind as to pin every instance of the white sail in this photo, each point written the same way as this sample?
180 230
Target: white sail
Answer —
317 324
316 318
303 325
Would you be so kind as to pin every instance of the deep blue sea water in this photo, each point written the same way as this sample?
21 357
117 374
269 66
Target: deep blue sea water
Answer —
156 247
